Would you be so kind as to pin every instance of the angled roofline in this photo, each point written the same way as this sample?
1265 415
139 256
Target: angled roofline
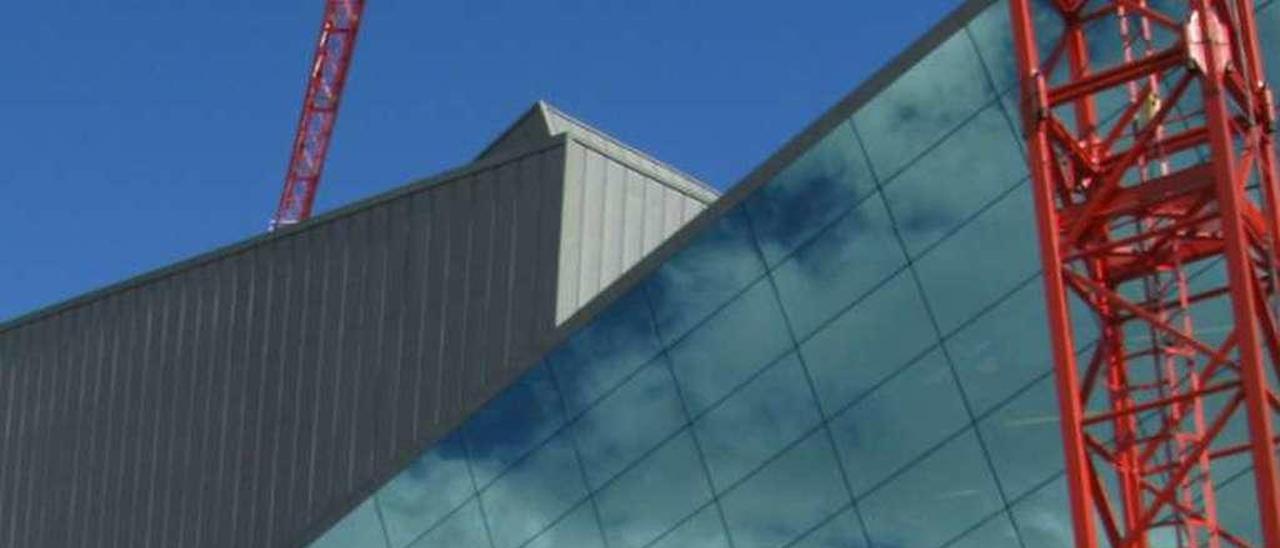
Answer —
449 176
547 113
765 171
701 189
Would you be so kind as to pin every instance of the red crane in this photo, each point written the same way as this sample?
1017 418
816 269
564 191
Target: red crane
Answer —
1150 131
320 105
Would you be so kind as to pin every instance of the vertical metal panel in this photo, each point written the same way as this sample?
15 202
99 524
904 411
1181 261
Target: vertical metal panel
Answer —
247 387
78 422
433 329
528 220
591 246
371 353
453 344
611 221
502 269
322 452
13 522
347 352
85 426
475 283
278 412
8 411
632 221
168 395
308 374
262 364
542 267
413 362
395 280
571 219
281 502
203 461
128 306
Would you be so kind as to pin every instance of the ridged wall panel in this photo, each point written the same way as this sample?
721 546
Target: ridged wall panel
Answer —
242 397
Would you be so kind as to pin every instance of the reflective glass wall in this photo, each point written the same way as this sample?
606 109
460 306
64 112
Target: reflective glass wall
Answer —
854 355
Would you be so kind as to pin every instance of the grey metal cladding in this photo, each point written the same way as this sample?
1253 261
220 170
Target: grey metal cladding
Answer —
254 394
243 397
616 209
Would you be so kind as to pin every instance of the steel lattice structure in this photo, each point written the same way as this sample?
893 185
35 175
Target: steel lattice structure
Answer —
1150 139
328 77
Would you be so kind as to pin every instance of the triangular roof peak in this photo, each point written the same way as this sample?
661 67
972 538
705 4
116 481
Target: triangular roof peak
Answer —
543 121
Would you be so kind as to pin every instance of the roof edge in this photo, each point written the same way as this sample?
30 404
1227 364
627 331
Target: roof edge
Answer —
448 176
775 163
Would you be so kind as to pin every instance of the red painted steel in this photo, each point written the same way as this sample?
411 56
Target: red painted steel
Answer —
328 77
1150 132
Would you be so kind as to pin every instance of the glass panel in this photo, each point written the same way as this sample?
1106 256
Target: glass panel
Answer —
925 103
509 426
703 529
464 529
952 182
730 347
359 528
537 489
843 531
704 275
433 485
868 342
787 497
824 182
651 498
936 499
984 260
870 436
601 354
844 262
1004 349
629 422
1238 508
994 38
1024 440
1044 517
755 423
578 529
996 532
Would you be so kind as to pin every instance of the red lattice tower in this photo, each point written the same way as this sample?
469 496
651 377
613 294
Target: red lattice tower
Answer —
328 77
1150 141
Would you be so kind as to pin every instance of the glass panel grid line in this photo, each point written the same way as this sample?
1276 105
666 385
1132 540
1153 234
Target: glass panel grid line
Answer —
991 81
955 376
484 517
887 181
382 521
681 522
813 393
444 518
577 454
684 404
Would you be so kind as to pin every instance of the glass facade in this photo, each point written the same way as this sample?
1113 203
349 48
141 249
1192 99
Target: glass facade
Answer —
854 355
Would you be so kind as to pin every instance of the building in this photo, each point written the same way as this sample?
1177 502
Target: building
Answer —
845 350
242 396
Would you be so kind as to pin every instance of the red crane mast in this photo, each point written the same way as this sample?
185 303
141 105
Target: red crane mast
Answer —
320 105
1150 132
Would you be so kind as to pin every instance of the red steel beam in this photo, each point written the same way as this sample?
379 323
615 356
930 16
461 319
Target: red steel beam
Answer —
323 97
1126 208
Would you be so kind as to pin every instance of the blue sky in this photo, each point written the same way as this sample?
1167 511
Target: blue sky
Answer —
136 133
